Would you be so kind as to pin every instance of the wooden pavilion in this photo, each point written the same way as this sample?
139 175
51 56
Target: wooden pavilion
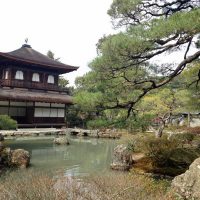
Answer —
29 90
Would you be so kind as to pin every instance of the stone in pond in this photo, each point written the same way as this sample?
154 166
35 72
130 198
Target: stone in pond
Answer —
122 158
61 141
20 158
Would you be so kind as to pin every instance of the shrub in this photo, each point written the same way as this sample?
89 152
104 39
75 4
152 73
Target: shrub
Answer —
6 123
98 123
159 150
194 130
139 123
131 146
32 185
184 137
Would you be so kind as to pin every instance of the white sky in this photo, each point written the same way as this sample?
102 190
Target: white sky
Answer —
69 28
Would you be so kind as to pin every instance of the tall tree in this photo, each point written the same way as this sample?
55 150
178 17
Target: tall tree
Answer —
62 82
152 28
51 55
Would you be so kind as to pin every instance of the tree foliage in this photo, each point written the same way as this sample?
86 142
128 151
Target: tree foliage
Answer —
152 28
51 55
123 76
62 82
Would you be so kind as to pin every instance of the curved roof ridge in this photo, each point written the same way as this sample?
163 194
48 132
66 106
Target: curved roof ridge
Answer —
27 54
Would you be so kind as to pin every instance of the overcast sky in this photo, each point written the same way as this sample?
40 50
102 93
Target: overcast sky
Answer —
69 28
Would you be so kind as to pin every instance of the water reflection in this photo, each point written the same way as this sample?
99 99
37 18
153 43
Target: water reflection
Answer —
81 157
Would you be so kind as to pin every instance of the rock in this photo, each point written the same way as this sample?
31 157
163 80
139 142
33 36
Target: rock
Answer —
20 158
104 133
61 141
5 157
195 144
94 133
122 158
7 151
108 133
187 184
75 132
61 132
2 146
14 158
1 137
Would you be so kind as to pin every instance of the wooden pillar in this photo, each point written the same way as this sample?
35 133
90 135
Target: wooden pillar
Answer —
65 116
44 79
33 121
9 108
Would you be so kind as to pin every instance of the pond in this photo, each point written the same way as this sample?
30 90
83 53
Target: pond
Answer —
82 157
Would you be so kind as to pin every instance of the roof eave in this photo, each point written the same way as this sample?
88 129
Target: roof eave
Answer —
66 69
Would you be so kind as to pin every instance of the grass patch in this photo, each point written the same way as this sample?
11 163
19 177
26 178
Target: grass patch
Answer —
31 185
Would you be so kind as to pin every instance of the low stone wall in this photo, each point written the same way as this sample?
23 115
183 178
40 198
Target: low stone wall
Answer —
107 133
32 132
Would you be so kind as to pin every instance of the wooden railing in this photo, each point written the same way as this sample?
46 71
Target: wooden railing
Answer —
31 85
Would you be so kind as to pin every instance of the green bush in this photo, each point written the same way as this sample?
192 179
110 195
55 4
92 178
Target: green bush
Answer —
6 123
194 130
131 146
98 123
184 137
159 150
139 123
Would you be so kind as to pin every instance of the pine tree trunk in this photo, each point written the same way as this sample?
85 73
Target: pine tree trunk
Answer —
159 132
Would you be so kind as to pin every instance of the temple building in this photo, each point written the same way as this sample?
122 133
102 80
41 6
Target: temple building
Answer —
29 90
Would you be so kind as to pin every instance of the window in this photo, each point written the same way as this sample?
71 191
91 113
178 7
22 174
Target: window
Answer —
19 75
50 79
17 112
6 75
49 112
36 77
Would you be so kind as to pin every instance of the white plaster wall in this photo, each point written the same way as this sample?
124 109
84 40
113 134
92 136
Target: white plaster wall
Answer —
49 112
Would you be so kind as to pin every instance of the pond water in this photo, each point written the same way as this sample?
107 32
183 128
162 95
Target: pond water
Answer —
82 157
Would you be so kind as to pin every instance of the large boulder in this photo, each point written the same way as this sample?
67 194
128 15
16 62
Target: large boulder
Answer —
61 141
187 184
20 158
122 158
